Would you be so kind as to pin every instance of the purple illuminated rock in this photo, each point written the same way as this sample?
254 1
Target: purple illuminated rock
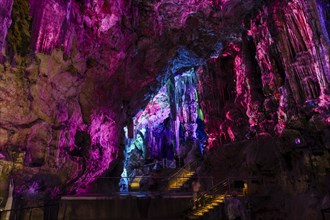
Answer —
95 64
37 144
5 21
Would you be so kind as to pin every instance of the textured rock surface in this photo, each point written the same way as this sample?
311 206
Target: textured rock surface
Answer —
5 20
286 177
68 87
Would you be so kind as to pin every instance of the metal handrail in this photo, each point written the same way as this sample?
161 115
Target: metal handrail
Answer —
165 178
188 166
219 187
224 186
149 164
15 210
161 181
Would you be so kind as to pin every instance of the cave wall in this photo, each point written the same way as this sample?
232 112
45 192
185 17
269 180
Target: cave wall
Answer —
54 137
5 19
271 77
275 127
73 73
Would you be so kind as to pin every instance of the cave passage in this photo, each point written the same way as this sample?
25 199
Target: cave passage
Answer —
169 132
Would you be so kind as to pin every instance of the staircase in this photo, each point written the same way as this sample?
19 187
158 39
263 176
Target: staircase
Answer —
178 181
211 202
213 199
182 176
135 184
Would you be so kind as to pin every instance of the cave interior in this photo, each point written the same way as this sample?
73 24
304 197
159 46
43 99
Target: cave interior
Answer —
144 98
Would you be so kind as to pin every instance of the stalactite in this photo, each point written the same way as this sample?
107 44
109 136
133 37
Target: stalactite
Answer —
303 57
323 9
170 89
187 105
281 113
263 71
177 134
253 83
241 89
5 21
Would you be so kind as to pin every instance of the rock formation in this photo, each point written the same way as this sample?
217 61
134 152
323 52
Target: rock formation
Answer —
74 73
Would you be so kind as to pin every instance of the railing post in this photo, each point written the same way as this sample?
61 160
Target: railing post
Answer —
30 214
212 183
229 189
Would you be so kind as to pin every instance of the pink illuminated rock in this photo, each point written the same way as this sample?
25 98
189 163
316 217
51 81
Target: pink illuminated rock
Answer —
37 144
48 17
94 65
103 150
5 21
